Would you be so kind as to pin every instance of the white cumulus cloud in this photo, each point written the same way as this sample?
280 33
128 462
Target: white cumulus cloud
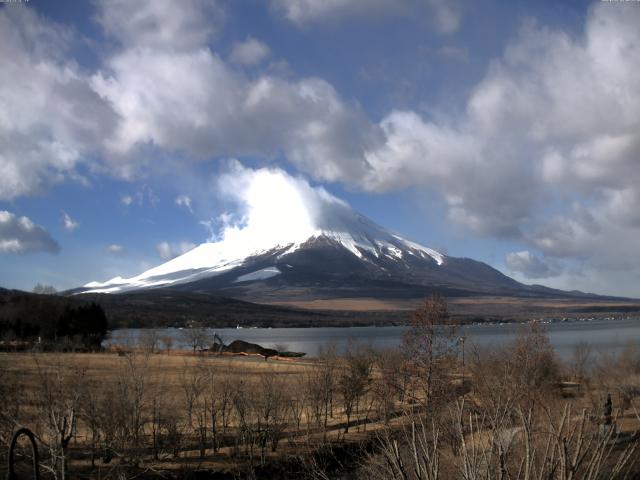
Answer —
554 121
249 52
556 117
153 93
69 223
114 249
530 265
21 235
303 11
49 114
159 23
446 15
184 201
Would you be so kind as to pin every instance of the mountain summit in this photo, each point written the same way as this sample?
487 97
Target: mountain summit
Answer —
349 256
294 241
349 236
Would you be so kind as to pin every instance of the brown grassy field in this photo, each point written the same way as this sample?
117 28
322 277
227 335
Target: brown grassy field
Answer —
481 306
154 415
178 378
163 369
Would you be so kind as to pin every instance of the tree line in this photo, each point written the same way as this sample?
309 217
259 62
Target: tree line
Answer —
27 319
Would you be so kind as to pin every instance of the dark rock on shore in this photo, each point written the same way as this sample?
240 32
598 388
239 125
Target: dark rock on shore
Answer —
240 347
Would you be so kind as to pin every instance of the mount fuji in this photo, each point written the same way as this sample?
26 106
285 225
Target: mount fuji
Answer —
297 242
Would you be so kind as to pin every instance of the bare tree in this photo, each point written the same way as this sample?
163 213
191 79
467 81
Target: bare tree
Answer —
11 390
243 406
582 354
167 342
150 339
273 410
200 408
391 383
192 385
523 446
127 406
296 401
91 404
157 410
431 344
171 431
412 454
220 394
353 381
44 289
197 338
320 385
535 368
58 402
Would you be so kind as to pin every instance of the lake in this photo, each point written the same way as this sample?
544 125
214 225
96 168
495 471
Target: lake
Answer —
604 336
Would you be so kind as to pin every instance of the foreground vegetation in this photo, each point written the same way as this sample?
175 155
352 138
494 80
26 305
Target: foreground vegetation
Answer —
424 411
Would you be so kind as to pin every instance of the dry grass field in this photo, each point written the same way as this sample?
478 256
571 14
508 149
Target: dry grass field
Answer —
481 306
161 370
191 389
168 414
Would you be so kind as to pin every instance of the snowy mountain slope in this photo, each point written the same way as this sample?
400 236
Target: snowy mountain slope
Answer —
214 259
289 240
354 233
344 254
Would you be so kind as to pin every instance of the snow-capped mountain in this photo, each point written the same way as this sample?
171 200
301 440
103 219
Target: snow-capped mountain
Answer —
351 231
345 254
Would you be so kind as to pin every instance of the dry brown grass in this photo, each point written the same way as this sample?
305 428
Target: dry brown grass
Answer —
162 369
166 373
352 304
481 306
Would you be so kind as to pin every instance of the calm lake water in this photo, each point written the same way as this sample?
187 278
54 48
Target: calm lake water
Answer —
604 336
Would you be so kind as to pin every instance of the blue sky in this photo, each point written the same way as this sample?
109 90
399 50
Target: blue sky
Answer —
505 131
